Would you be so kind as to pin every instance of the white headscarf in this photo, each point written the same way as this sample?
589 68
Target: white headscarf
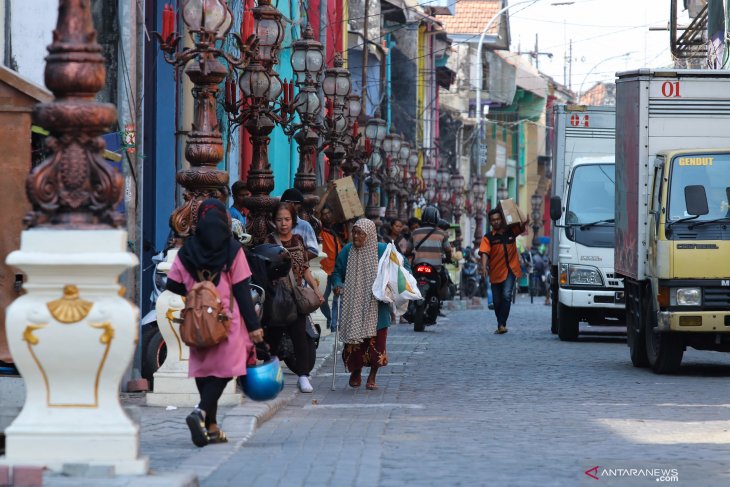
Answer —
359 319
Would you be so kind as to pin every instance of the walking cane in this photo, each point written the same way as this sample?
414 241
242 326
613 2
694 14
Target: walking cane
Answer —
334 347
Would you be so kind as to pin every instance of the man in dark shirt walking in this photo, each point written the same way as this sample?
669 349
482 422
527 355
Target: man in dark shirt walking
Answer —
500 259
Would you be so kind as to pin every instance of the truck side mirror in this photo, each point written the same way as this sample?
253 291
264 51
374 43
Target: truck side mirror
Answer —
696 200
556 208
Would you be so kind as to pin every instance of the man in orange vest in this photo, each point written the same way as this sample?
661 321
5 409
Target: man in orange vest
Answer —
501 260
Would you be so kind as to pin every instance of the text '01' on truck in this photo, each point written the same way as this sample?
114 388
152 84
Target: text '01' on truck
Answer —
672 215
584 286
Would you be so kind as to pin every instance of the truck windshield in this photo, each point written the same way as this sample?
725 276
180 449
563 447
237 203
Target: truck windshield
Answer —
591 196
709 170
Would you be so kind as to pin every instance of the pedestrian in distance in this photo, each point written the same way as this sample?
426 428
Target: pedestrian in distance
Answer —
332 243
501 261
303 228
212 254
286 220
239 192
363 324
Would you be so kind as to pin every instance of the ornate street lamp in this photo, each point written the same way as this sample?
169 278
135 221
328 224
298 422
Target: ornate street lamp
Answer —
503 192
457 187
536 201
478 192
414 185
208 23
355 154
307 62
336 87
257 111
391 148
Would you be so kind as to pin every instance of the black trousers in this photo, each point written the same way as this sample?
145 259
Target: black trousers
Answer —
210 389
298 335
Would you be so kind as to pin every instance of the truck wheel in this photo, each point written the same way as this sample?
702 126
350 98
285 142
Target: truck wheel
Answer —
636 338
567 323
418 324
664 351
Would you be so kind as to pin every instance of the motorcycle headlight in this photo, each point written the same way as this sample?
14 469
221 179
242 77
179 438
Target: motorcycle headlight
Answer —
688 296
583 275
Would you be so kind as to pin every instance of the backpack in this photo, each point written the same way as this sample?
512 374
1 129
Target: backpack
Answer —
204 322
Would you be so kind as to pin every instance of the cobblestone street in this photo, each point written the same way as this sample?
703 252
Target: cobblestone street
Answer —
459 405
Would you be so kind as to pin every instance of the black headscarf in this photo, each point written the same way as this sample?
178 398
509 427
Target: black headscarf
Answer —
212 248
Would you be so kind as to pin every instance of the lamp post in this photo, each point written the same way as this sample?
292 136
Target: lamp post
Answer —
429 178
478 192
375 132
457 187
404 155
71 334
413 182
208 23
502 192
257 112
336 87
307 61
391 147
355 154
536 201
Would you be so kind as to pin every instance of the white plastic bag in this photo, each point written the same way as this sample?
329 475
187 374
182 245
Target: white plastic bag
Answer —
394 284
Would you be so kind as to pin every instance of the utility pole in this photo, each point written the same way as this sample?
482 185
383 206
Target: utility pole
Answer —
363 94
570 65
535 54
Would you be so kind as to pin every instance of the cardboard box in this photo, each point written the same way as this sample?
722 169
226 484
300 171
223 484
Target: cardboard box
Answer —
344 201
512 213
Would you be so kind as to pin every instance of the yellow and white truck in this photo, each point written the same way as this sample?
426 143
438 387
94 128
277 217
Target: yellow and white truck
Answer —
672 216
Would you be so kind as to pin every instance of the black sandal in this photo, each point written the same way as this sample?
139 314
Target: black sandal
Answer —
196 423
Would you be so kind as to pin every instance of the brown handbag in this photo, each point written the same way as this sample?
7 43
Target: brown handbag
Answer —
305 298
204 321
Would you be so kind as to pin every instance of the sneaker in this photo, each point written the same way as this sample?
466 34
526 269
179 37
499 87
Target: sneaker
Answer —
304 385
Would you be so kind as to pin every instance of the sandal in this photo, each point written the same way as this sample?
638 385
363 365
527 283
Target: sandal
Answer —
196 423
371 386
217 437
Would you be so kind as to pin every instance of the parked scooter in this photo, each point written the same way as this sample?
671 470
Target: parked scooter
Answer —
469 282
154 350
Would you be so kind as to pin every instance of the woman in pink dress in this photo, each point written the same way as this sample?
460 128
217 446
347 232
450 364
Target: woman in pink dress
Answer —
212 252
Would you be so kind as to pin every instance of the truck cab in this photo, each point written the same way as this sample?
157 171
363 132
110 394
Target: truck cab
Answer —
588 289
688 256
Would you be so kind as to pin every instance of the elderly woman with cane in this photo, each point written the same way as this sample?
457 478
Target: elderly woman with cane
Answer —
363 324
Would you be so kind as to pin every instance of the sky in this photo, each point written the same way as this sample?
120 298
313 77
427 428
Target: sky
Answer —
608 36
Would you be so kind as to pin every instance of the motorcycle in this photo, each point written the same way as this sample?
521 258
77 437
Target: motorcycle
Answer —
469 282
425 311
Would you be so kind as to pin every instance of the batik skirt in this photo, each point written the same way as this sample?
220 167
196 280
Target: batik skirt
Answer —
368 353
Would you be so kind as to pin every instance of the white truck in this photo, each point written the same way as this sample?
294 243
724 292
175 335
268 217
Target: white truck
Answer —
673 213
584 286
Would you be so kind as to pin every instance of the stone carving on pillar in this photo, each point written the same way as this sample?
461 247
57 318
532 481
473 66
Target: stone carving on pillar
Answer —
72 335
75 187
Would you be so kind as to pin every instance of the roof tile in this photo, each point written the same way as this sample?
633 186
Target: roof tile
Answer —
471 17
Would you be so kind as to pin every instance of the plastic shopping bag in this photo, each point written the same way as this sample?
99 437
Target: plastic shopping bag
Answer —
394 284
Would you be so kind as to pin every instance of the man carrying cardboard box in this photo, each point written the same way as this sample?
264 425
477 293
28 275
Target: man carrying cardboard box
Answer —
501 261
